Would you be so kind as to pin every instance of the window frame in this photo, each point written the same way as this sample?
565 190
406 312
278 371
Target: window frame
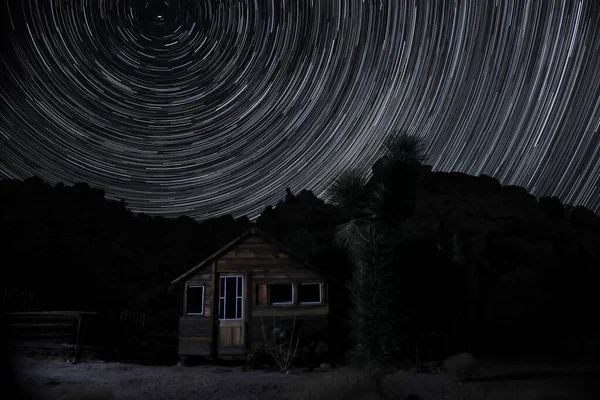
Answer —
224 297
194 285
286 303
300 303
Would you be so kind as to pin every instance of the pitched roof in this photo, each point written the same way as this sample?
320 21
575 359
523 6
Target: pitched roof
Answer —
254 230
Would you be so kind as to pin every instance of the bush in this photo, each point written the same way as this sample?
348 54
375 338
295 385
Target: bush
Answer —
281 344
460 366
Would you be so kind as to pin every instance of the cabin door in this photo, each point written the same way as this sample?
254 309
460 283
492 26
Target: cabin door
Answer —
231 313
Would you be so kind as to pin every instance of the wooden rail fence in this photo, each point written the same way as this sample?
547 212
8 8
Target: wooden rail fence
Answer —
50 329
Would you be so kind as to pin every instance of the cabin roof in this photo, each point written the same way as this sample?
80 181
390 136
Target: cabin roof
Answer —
254 230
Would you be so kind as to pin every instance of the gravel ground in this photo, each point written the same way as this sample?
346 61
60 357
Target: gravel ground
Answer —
57 379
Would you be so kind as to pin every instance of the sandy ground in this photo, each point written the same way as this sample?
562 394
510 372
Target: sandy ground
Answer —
58 379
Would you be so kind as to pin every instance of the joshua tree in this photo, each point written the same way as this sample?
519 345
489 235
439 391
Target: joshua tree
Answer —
374 211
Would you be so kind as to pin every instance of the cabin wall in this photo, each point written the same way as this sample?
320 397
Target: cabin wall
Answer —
195 331
260 262
264 263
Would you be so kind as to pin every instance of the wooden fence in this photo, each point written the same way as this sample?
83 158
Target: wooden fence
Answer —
66 330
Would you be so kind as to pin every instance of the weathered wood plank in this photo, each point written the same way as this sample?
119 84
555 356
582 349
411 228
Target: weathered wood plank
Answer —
263 297
232 350
258 261
264 247
200 277
273 277
196 326
230 336
290 311
194 346
243 253
255 239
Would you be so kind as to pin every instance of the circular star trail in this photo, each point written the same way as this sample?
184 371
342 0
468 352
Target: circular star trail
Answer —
207 108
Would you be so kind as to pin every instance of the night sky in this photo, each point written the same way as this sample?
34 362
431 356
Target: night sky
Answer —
207 108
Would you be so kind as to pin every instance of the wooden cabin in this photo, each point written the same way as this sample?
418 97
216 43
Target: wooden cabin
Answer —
229 298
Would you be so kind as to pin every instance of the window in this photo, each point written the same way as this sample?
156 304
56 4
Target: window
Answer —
281 293
195 300
309 293
230 297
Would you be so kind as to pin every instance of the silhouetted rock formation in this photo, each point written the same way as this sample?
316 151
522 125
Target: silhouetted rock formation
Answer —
533 266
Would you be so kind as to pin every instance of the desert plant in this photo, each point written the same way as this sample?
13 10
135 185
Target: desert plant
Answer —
461 366
374 211
278 346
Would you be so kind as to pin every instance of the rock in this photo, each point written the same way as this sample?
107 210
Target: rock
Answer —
552 207
289 196
584 219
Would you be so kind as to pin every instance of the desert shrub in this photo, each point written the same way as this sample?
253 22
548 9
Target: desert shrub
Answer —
460 366
281 344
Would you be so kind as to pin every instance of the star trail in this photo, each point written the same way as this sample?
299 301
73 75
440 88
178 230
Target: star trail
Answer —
205 108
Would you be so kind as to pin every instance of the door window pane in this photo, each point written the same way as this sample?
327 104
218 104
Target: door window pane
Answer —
229 293
240 304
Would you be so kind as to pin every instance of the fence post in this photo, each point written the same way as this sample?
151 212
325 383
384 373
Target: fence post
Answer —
77 340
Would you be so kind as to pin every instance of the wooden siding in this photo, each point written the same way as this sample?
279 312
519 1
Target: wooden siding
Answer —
232 350
255 248
194 346
195 326
260 262
195 335
290 311
231 334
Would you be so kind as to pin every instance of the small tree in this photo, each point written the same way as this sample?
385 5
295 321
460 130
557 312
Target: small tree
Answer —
277 345
374 211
